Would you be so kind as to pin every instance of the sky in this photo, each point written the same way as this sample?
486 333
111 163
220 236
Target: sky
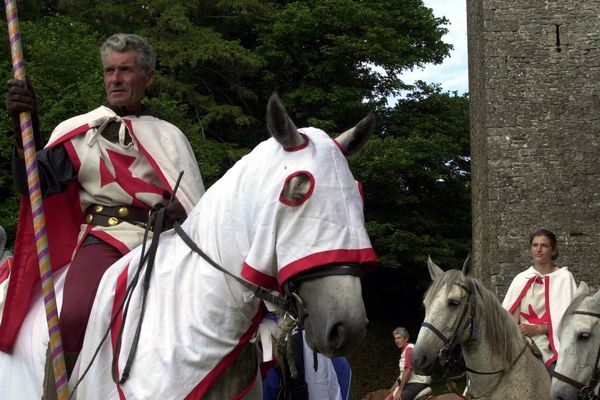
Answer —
452 73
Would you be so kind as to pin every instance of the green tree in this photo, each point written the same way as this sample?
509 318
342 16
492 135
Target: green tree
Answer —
417 203
62 63
218 61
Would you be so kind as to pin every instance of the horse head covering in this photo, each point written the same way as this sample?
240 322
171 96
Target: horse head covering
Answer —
283 238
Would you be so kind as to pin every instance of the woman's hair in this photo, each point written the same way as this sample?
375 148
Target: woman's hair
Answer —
550 235
401 332
124 42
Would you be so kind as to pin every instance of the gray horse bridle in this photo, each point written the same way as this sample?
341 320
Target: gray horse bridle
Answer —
466 321
586 391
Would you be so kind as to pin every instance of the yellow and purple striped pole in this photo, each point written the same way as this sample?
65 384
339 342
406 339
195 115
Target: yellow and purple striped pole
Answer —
37 210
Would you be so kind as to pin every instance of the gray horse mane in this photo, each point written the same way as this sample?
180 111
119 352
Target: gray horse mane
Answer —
492 319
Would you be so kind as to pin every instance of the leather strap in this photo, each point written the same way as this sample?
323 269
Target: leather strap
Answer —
110 216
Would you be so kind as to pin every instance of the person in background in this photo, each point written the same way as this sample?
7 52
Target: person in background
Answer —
326 379
538 297
408 384
102 175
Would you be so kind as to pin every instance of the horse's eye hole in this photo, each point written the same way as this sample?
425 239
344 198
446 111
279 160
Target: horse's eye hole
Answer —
453 303
583 336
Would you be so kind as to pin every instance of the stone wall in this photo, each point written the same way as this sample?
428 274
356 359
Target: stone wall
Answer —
534 77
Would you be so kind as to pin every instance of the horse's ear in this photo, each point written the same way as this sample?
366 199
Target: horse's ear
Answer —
280 125
466 269
354 139
597 296
434 270
582 289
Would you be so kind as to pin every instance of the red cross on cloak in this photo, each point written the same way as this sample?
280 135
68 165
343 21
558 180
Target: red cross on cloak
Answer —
123 176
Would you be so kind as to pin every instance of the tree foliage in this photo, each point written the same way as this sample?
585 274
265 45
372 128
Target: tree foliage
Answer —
218 61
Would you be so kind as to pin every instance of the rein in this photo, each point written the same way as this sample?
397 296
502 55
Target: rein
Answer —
586 391
289 344
260 292
290 302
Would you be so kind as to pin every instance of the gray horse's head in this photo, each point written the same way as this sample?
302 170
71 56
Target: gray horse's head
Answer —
576 370
335 314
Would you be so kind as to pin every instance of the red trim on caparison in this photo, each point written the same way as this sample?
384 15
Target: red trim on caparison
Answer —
302 200
120 291
364 257
361 190
211 378
259 278
300 147
339 146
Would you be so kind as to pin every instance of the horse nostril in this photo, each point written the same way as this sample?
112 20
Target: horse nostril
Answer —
336 336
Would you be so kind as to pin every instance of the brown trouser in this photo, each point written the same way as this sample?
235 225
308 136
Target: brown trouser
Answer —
86 270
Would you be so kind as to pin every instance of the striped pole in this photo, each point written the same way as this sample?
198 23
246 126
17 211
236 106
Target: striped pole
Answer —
37 210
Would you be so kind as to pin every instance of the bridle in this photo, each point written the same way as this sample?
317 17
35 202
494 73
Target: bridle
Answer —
586 391
290 303
467 320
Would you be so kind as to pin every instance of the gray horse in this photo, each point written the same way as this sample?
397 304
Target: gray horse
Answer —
460 311
577 372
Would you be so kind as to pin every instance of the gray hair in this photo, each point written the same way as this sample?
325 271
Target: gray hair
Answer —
401 332
124 42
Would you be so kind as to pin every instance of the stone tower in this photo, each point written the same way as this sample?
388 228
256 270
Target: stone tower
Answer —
534 77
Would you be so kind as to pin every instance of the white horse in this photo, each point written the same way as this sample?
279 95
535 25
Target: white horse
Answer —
577 372
287 217
460 311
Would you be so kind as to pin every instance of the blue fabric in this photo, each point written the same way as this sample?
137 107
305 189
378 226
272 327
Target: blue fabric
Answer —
342 370
271 384
344 375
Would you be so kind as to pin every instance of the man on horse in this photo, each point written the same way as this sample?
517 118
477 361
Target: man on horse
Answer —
409 384
102 176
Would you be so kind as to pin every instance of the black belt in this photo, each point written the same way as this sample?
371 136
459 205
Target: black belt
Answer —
111 216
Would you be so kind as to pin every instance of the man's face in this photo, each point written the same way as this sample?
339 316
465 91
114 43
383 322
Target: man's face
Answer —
125 81
401 341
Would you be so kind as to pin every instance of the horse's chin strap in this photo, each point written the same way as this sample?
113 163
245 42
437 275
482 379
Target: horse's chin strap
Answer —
586 391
